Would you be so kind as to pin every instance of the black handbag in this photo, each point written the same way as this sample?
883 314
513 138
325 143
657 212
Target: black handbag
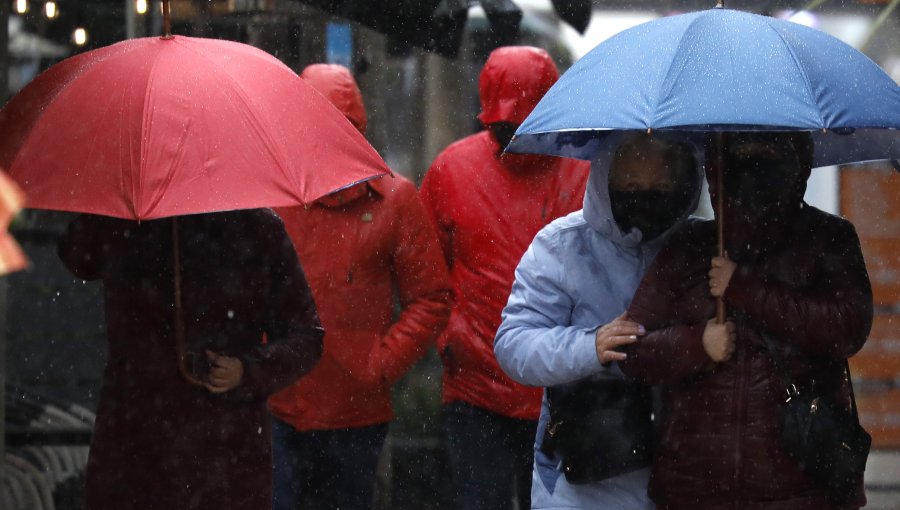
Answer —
599 427
828 442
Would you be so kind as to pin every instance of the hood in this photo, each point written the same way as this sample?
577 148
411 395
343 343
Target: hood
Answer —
512 81
377 188
337 84
597 209
753 230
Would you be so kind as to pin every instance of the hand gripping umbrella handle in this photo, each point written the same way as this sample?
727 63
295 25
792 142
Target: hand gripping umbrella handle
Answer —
180 343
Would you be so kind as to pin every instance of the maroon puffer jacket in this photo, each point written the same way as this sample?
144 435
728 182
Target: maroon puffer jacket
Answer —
720 440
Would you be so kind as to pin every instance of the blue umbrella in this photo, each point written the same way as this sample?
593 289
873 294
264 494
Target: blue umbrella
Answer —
713 71
720 70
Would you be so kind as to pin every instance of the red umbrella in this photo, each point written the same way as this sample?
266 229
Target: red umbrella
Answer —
157 127
168 126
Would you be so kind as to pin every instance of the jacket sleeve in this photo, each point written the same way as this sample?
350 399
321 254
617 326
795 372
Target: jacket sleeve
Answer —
672 348
434 199
666 355
536 343
84 246
293 331
832 318
423 285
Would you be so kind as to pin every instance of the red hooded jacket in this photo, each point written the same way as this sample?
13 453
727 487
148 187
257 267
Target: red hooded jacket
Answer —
488 208
358 247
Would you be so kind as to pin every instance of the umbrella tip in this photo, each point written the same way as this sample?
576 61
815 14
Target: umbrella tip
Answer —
167 20
720 4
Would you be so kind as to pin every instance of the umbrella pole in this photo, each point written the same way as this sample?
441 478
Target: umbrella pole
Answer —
719 159
180 343
167 20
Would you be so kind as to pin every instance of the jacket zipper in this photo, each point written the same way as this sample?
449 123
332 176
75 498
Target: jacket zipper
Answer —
365 218
739 429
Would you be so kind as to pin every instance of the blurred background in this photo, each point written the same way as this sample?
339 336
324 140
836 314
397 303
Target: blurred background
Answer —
417 63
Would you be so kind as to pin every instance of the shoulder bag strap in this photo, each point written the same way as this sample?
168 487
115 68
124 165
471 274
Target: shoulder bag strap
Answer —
789 386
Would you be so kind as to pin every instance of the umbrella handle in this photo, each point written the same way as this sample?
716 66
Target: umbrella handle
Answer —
720 212
180 343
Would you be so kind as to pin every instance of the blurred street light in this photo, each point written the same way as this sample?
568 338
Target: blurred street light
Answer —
50 9
79 36
21 6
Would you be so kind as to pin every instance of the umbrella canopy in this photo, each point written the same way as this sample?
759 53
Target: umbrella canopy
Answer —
156 127
715 70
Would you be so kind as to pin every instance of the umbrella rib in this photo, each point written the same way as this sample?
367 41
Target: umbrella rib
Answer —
170 176
803 73
145 135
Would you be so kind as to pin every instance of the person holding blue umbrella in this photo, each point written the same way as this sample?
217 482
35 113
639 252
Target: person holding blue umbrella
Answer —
796 287
703 75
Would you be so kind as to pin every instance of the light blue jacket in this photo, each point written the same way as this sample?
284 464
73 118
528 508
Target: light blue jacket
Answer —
579 273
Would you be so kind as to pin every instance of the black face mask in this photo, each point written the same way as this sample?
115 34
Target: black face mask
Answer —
650 211
503 132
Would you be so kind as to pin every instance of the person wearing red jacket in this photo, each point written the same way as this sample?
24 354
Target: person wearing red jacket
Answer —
793 278
359 247
488 206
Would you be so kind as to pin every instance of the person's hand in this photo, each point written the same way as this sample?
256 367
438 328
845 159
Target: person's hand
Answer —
620 331
225 373
718 340
720 274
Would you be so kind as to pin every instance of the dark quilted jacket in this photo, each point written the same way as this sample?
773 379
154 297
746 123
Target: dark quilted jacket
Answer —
720 438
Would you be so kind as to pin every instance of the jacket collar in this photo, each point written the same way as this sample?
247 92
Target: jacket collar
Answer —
341 198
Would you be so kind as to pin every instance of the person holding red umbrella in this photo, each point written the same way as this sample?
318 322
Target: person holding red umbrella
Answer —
488 206
251 328
359 247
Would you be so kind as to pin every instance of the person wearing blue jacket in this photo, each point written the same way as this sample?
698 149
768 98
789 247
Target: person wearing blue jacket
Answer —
566 313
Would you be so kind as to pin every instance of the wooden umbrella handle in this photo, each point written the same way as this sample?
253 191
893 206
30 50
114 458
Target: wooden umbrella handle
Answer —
720 212
180 341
